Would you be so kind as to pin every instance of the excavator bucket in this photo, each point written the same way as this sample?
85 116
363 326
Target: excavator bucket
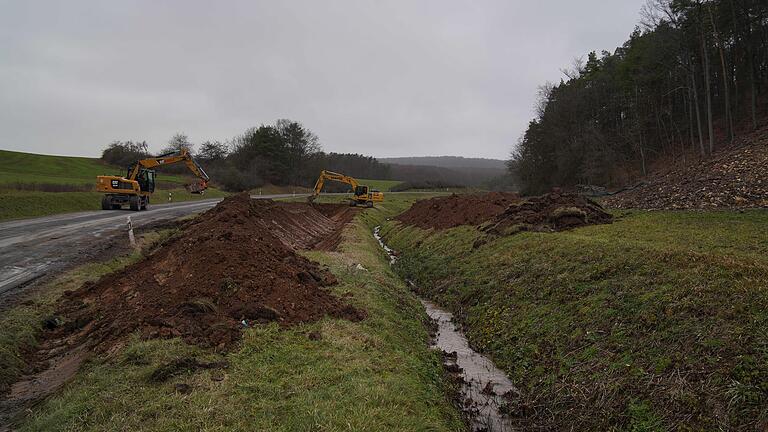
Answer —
196 188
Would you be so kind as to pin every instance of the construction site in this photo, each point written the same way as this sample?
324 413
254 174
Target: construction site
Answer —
384 216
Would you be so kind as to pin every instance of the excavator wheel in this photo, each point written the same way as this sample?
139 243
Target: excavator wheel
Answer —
352 203
145 203
135 202
106 203
369 204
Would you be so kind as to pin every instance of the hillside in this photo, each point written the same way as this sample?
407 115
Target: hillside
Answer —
446 170
736 176
25 168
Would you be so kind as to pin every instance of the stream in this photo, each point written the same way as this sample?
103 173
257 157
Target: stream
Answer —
483 385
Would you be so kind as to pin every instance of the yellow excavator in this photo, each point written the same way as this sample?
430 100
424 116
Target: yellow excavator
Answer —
136 187
362 195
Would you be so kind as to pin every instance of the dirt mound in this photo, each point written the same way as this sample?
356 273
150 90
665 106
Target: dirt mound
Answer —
550 212
733 177
231 267
456 210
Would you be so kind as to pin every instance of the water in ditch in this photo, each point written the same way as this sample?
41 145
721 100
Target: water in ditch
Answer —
485 389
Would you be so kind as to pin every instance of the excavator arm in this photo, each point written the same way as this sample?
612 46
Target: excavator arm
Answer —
330 175
361 193
172 158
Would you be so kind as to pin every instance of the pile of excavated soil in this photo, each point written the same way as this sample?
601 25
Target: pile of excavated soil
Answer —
733 177
231 267
456 210
549 212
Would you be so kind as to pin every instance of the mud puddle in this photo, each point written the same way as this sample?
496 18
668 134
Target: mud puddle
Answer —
485 389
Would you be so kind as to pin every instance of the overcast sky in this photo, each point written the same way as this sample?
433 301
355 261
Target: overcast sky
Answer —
385 78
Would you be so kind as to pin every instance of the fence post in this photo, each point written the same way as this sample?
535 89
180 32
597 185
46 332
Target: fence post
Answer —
131 238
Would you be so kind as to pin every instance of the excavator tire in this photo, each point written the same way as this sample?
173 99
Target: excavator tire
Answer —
369 204
135 202
145 203
352 203
106 203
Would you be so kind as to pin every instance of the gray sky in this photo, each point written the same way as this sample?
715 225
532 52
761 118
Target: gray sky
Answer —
385 78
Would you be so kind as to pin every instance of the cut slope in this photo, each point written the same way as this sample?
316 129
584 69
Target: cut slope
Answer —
230 267
734 177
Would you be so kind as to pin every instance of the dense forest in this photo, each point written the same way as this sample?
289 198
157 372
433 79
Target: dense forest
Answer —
690 78
284 153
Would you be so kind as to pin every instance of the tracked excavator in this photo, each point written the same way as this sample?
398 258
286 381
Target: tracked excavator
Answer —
361 194
137 186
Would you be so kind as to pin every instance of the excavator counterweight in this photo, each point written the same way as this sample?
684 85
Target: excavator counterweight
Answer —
137 186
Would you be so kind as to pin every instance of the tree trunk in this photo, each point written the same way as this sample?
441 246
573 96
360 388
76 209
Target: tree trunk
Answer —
726 84
698 112
705 58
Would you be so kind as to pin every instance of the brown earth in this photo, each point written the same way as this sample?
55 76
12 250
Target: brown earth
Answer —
455 210
505 213
554 211
233 266
733 177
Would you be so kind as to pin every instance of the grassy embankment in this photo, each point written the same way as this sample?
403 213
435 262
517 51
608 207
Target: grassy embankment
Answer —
20 172
658 321
375 375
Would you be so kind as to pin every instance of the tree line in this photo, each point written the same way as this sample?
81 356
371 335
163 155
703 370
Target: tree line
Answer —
283 153
690 78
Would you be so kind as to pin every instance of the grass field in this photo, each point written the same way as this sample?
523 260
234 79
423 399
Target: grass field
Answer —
17 167
27 168
373 375
655 322
381 185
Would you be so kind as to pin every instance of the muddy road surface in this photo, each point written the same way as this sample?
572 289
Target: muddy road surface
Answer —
33 248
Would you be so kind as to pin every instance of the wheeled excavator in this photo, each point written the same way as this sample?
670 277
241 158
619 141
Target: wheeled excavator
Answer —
361 194
137 186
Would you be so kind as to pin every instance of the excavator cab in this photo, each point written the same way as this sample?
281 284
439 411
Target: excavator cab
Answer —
146 179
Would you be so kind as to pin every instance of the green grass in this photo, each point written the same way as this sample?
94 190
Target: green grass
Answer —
25 204
373 375
21 325
381 185
658 321
18 167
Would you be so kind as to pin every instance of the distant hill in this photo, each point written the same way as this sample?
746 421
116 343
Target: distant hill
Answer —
450 170
447 162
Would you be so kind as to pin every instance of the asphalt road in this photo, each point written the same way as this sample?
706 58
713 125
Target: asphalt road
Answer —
33 248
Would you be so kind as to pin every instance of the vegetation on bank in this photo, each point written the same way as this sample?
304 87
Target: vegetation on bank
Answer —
26 204
655 322
377 374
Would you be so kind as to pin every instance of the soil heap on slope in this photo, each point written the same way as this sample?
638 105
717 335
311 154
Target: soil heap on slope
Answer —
455 210
733 177
554 211
225 267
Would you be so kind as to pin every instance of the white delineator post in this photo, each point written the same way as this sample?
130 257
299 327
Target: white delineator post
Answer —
170 196
131 238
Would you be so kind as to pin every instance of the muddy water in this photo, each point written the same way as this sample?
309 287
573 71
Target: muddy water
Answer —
484 387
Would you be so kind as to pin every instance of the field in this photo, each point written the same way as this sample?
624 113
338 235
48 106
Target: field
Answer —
26 177
17 167
655 322
381 185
